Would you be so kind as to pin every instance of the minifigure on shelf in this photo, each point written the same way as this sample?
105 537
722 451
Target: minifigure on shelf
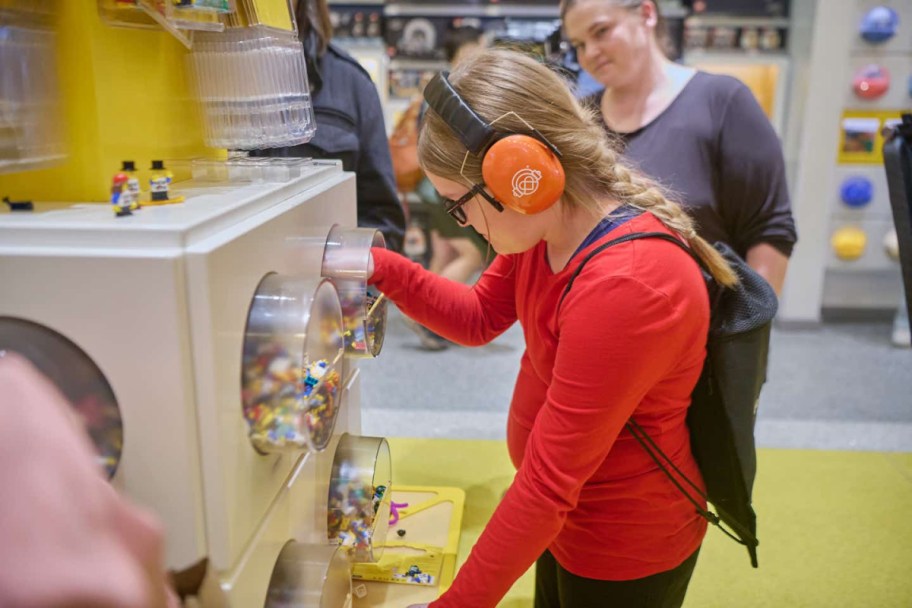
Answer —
128 168
121 198
159 185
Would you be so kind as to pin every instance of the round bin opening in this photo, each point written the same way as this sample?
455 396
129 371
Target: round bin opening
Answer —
346 261
359 496
290 370
309 576
76 376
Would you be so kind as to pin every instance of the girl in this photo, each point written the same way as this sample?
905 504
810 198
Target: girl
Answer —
603 523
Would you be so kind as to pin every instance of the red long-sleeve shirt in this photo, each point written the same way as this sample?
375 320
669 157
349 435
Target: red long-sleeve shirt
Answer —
629 339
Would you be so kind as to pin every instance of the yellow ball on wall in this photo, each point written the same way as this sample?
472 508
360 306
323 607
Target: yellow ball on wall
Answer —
849 243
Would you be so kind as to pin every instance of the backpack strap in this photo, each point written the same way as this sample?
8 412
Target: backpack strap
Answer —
642 437
633 236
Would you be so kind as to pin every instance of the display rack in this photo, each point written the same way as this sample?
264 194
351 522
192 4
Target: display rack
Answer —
840 265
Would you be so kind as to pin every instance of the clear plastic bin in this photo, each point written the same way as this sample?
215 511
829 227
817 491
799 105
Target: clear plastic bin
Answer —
346 260
241 168
359 496
32 131
77 377
253 88
310 576
291 368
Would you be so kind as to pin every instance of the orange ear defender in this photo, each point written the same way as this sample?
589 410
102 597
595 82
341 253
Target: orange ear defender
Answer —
522 170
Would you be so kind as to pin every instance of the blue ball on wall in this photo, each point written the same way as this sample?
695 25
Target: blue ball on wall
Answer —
856 192
879 24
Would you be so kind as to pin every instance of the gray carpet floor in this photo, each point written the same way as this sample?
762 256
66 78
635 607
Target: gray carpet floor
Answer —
840 386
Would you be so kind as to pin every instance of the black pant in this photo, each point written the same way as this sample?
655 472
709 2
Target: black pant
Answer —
557 588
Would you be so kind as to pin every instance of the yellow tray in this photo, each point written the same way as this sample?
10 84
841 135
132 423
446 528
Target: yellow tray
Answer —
432 524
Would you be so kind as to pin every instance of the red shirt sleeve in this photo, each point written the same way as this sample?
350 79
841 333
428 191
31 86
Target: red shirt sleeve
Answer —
468 315
617 339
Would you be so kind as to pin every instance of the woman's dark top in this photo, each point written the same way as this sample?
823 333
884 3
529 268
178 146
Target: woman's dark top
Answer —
715 151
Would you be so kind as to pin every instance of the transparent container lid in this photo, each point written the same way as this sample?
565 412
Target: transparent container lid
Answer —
77 377
291 364
346 260
359 496
242 168
310 576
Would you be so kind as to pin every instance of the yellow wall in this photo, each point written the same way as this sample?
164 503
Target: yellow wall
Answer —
125 97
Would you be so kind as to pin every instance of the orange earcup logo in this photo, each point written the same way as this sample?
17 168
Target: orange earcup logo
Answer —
526 182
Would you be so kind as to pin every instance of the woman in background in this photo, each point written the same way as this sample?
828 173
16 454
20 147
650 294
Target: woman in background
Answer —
350 123
702 136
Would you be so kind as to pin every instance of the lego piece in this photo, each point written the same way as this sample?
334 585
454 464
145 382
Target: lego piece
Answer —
19 205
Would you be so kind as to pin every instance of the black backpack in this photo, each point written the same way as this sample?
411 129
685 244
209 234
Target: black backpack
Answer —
724 402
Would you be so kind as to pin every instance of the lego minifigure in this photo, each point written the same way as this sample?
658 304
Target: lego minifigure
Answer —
128 168
159 185
121 198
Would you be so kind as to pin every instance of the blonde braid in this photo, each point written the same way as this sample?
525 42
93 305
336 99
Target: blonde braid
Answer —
639 191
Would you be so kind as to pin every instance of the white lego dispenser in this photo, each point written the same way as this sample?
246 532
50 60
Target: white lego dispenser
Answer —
177 332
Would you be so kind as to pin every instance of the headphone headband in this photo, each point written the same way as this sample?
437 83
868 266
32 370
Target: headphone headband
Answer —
474 133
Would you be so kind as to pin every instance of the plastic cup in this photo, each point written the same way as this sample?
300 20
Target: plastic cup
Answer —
359 496
309 576
346 261
291 368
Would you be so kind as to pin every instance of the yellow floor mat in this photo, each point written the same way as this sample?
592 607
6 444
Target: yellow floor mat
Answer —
835 528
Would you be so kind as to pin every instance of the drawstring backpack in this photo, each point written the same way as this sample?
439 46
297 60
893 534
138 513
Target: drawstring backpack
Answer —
724 401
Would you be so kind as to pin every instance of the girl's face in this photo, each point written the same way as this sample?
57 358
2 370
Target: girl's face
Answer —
508 231
612 42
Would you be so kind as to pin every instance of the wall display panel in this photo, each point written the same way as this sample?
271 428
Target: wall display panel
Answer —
860 273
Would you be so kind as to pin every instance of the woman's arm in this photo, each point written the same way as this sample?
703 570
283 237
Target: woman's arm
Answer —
770 263
471 316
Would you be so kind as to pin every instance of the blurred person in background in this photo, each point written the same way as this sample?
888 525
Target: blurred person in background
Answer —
350 123
704 137
457 252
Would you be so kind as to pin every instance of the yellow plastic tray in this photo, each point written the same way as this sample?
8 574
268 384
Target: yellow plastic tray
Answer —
432 524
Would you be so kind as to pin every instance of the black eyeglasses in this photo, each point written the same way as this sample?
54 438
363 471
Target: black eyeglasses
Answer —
455 210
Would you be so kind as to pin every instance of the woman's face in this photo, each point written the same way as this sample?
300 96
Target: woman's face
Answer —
613 43
508 231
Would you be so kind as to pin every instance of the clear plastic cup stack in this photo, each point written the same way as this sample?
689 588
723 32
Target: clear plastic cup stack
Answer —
253 89
291 368
346 261
31 133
